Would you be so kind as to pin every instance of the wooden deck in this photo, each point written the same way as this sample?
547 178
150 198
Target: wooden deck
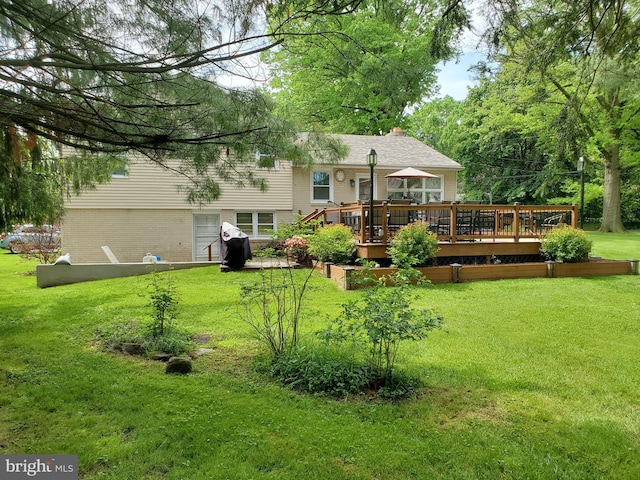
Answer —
462 229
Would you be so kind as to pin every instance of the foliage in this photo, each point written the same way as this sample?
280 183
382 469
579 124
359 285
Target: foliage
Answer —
378 322
333 243
631 199
153 78
161 334
297 227
113 336
582 56
436 123
163 299
497 392
360 71
35 178
321 371
297 247
272 306
413 246
593 194
566 244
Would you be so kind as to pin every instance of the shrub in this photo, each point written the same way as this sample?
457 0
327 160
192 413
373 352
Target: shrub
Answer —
163 299
321 371
298 227
413 246
272 307
158 336
379 322
566 244
333 243
113 336
297 248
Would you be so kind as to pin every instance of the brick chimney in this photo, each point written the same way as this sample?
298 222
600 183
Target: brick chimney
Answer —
397 132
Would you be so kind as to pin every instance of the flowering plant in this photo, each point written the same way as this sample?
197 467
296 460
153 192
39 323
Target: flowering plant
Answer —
297 248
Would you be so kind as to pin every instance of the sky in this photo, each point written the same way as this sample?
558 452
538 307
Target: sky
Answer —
454 78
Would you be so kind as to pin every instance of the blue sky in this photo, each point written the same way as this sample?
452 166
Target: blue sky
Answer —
454 79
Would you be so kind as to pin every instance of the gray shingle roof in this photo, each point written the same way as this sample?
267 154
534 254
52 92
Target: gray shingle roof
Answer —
395 150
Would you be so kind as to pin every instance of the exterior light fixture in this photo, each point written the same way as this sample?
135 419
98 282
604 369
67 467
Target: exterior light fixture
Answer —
372 160
581 172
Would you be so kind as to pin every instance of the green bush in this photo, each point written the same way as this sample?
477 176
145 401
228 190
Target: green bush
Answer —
378 322
413 246
333 243
321 371
173 341
566 244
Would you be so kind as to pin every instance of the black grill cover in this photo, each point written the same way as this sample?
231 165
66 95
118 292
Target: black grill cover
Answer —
235 249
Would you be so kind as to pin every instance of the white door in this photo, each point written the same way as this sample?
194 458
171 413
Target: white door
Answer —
206 234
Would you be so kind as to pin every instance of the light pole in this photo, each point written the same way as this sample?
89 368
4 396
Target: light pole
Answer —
372 159
581 171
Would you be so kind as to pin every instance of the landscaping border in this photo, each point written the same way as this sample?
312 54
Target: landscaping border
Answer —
458 273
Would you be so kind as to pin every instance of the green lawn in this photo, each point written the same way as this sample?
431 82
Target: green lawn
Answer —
532 379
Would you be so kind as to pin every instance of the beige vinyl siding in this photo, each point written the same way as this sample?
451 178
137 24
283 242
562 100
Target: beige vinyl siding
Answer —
151 187
344 192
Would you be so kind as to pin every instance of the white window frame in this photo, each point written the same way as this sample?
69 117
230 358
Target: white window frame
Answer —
330 186
367 177
255 225
260 156
423 190
121 173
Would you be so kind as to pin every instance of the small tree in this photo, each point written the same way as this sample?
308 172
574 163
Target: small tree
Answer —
163 298
380 321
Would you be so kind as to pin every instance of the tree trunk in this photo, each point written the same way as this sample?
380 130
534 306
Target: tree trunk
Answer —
611 213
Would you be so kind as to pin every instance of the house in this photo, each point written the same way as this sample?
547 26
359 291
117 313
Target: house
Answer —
143 211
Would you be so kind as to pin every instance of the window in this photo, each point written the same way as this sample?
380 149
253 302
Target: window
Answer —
421 190
266 160
120 166
256 224
321 189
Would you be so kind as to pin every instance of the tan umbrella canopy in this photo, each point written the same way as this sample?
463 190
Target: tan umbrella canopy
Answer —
411 172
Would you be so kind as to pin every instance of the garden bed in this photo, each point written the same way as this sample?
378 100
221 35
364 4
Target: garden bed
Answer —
457 273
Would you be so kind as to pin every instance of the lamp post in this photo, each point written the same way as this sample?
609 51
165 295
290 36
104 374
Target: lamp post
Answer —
372 159
581 171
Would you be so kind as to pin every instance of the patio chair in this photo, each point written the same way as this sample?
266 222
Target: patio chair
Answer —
551 222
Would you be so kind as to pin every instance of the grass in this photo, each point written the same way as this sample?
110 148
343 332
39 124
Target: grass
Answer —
533 379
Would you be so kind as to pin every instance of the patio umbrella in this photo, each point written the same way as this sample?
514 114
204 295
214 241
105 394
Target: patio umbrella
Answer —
411 172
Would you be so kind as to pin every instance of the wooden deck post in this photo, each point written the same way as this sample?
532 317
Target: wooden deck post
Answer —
516 222
551 269
348 272
364 222
385 222
574 215
453 215
456 273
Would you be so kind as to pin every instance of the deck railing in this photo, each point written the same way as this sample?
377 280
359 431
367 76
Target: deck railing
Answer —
451 222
